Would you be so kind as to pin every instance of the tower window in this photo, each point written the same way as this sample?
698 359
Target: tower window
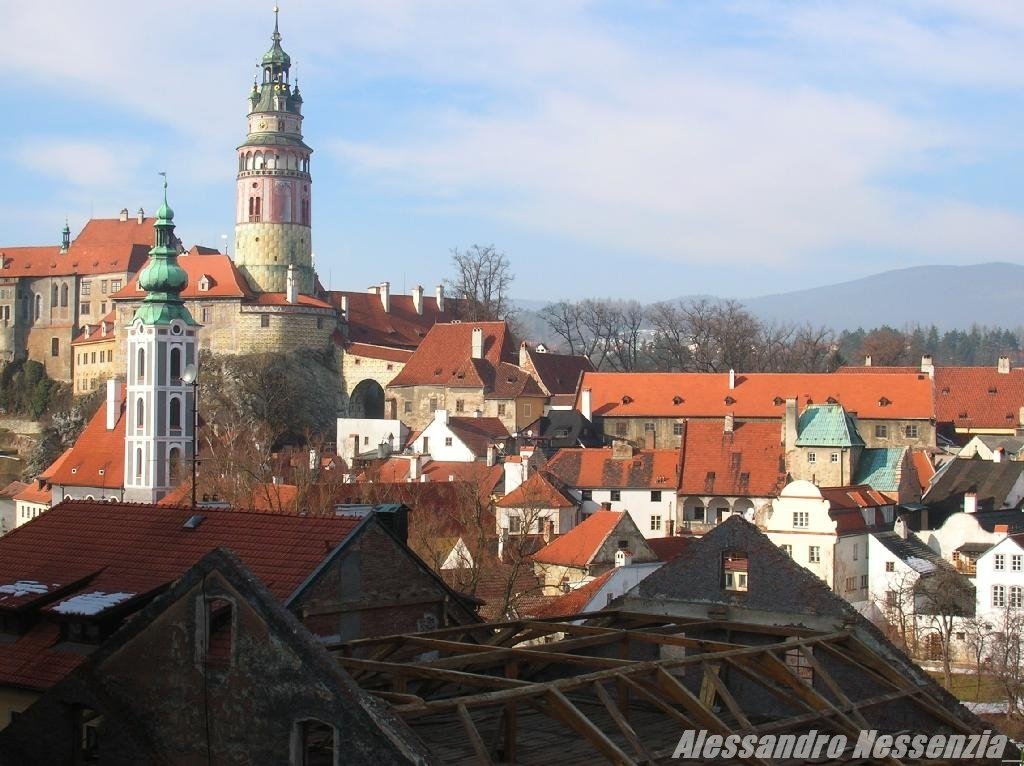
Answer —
175 365
140 366
138 464
64 296
174 466
175 413
265 320
54 346
255 209
140 413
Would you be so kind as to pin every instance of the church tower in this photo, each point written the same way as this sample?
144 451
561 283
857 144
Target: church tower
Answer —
272 213
159 406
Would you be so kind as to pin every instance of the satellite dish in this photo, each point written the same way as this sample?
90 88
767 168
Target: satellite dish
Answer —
190 373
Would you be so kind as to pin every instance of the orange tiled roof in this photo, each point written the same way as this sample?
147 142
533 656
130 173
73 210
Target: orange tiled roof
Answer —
378 352
539 491
576 600
859 496
755 395
401 327
923 468
478 433
443 357
104 245
96 450
578 546
225 279
35 492
396 470
595 468
93 333
747 462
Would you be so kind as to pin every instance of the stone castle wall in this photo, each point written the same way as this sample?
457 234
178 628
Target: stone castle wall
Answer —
264 250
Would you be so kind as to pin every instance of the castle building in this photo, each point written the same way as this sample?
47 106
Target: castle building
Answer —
161 345
272 213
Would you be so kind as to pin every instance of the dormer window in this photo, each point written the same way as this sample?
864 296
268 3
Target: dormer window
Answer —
626 399
778 401
677 400
730 401
205 283
884 402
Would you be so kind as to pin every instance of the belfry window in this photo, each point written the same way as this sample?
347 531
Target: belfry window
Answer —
255 209
174 415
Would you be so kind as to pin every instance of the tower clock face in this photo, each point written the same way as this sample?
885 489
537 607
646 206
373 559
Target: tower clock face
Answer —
262 125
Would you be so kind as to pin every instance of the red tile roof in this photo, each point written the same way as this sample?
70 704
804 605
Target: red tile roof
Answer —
103 246
755 395
35 492
576 600
923 467
94 333
596 468
859 496
478 433
443 357
507 381
96 450
749 462
225 280
13 489
558 373
401 327
378 352
578 546
670 548
539 491
136 550
396 470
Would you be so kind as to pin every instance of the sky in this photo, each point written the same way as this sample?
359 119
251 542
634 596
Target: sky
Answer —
637 149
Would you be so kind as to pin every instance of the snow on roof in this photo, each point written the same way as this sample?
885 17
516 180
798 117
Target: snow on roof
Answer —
920 565
91 603
23 588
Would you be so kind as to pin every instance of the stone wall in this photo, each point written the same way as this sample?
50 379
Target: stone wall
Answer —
264 250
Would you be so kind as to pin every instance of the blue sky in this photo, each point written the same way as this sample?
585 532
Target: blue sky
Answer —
636 149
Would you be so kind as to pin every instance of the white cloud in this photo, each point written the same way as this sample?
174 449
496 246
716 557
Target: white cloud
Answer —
81 163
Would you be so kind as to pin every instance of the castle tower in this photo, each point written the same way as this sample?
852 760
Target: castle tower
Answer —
160 406
272 213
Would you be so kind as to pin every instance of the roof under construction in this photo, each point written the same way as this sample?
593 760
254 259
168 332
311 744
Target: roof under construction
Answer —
624 686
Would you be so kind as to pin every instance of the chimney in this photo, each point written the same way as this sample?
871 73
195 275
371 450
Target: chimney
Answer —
549 529
1003 365
478 413
291 285
927 365
373 289
671 527
113 402
732 379
729 423
585 405
526 455
867 360
477 348
415 468
997 455
395 519
385 296
1002 530
970 502
524 355
141 216
417 299
355 445
502 536
492 455
124 215
900 527
440 298
790 424
344 305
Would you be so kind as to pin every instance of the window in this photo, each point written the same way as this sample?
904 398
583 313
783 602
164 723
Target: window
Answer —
205 315
587 494
87 741
447 441
115 285
515 525
833 457
648 428
881 432
677 429
174 466
64 296
215 631
407 406
787 549
851 584
812 458
892 599
92 358
175 365
800 665
314 744
998 595
814 554
433 405
174 414
54 346
911 431
1015 562
856 551
138 464
426 444
140 365
801 519
890 566
255 209
863 581
734 570
86 307
999 562
103 286
615 495
86 287
460 405
528 410
655 495
265 320
655 523
621 427
1015 597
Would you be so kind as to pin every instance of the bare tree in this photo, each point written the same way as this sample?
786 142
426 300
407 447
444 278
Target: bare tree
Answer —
943 598
483 277
977 638
1005 661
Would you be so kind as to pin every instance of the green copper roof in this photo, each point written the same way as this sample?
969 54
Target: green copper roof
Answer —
276 57
162 278
274 139
880 468
827 425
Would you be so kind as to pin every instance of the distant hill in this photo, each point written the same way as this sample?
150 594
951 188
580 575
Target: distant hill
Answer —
950 297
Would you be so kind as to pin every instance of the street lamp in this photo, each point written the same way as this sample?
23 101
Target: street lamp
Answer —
190 377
